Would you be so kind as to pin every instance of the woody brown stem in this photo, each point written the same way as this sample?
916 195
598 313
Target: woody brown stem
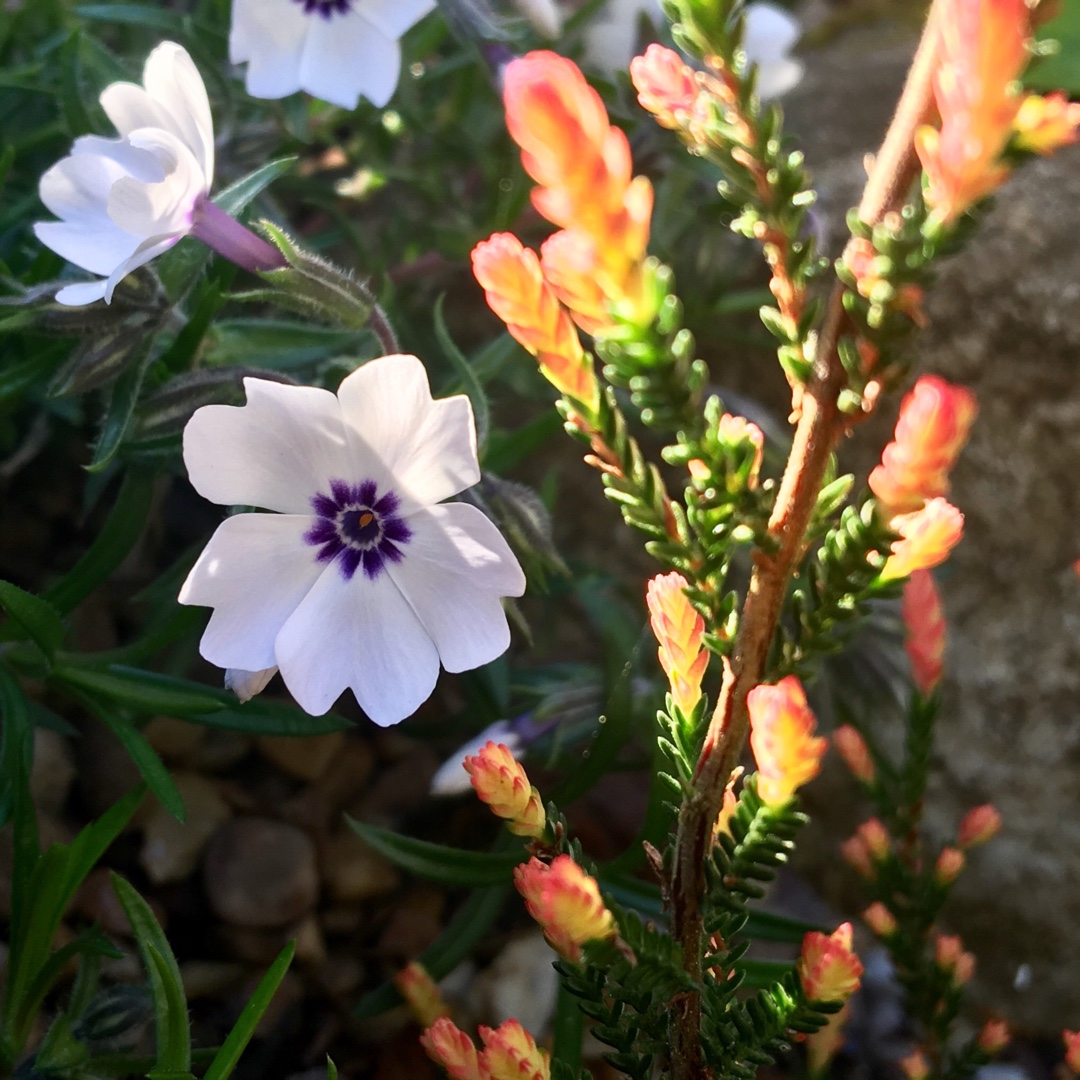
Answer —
819 426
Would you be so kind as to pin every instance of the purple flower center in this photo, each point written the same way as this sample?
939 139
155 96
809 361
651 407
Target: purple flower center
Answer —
326 8
358 527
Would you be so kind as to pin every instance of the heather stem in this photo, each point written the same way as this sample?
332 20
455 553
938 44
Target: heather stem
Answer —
819 426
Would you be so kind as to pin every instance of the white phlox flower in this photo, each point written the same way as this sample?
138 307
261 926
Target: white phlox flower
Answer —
123 201
362 579
612 40
336 50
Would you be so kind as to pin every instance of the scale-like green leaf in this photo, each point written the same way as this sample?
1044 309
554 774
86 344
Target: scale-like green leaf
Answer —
233 1046
437 862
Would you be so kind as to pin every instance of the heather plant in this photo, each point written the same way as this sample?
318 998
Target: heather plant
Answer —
247 326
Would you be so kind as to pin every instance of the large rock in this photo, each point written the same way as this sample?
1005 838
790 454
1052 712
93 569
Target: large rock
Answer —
1004 321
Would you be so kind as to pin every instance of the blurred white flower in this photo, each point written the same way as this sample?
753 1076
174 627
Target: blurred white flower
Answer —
123 201
336 50
612 40
451 778
359 580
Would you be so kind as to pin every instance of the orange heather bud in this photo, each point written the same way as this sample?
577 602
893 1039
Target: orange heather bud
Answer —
915 1066
875 838
1044 124
421 994
950 957
569 262
583 167
511 1053
920 608
827 968
447 1045
1072 1049
500 781
935 418
727 811
782 738
949 865
983 51
566 903
736 432
851 746
680 631
853 851
994 1036
516 291
927 538
880 919
665 86
979 825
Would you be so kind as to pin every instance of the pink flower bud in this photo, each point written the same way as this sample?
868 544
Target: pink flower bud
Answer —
950 957
927 538
1072 1049
854 853
979 825
924 621
447 1045
566 902
421 994
665 85
876 839
680 631
782 738
851 746
994 1037
880 919
949 865
915 1066
500 781
511 1053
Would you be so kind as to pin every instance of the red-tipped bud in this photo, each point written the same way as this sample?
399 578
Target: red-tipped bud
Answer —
853 852
1072 1049
924 621
935 418
421 994
665 86
566 903
979 825
828 968
951 958
876 839
680 631
447 1045
1044 124
950 864
511 1053
500 781
994 1037
851 746
880 920
927 538
782 738
915 1066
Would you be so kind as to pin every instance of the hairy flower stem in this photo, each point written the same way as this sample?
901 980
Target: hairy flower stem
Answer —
819 426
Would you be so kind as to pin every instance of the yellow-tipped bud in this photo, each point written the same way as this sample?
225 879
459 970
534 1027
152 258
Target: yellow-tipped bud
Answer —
421 994
511 1053
828 968
500 781
680 631
782 738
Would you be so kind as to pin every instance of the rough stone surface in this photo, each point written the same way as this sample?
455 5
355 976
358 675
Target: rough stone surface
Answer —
171 848
1004 322
261 873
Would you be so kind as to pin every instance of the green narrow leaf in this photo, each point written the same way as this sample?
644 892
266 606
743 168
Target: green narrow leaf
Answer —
437 862
112 545
469 926
144 691
170 1006
472 385
35 615
233 1046
150 766
121 408
331 1069
134 15
258 717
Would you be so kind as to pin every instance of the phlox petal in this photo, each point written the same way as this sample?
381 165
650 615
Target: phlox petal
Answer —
246 684
427 446
251 604
85 292
347 57
270 34
149 249
98 248
777 77
458 566
359 634
394 17
158 208
77 187
172 80
278 451
769 33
